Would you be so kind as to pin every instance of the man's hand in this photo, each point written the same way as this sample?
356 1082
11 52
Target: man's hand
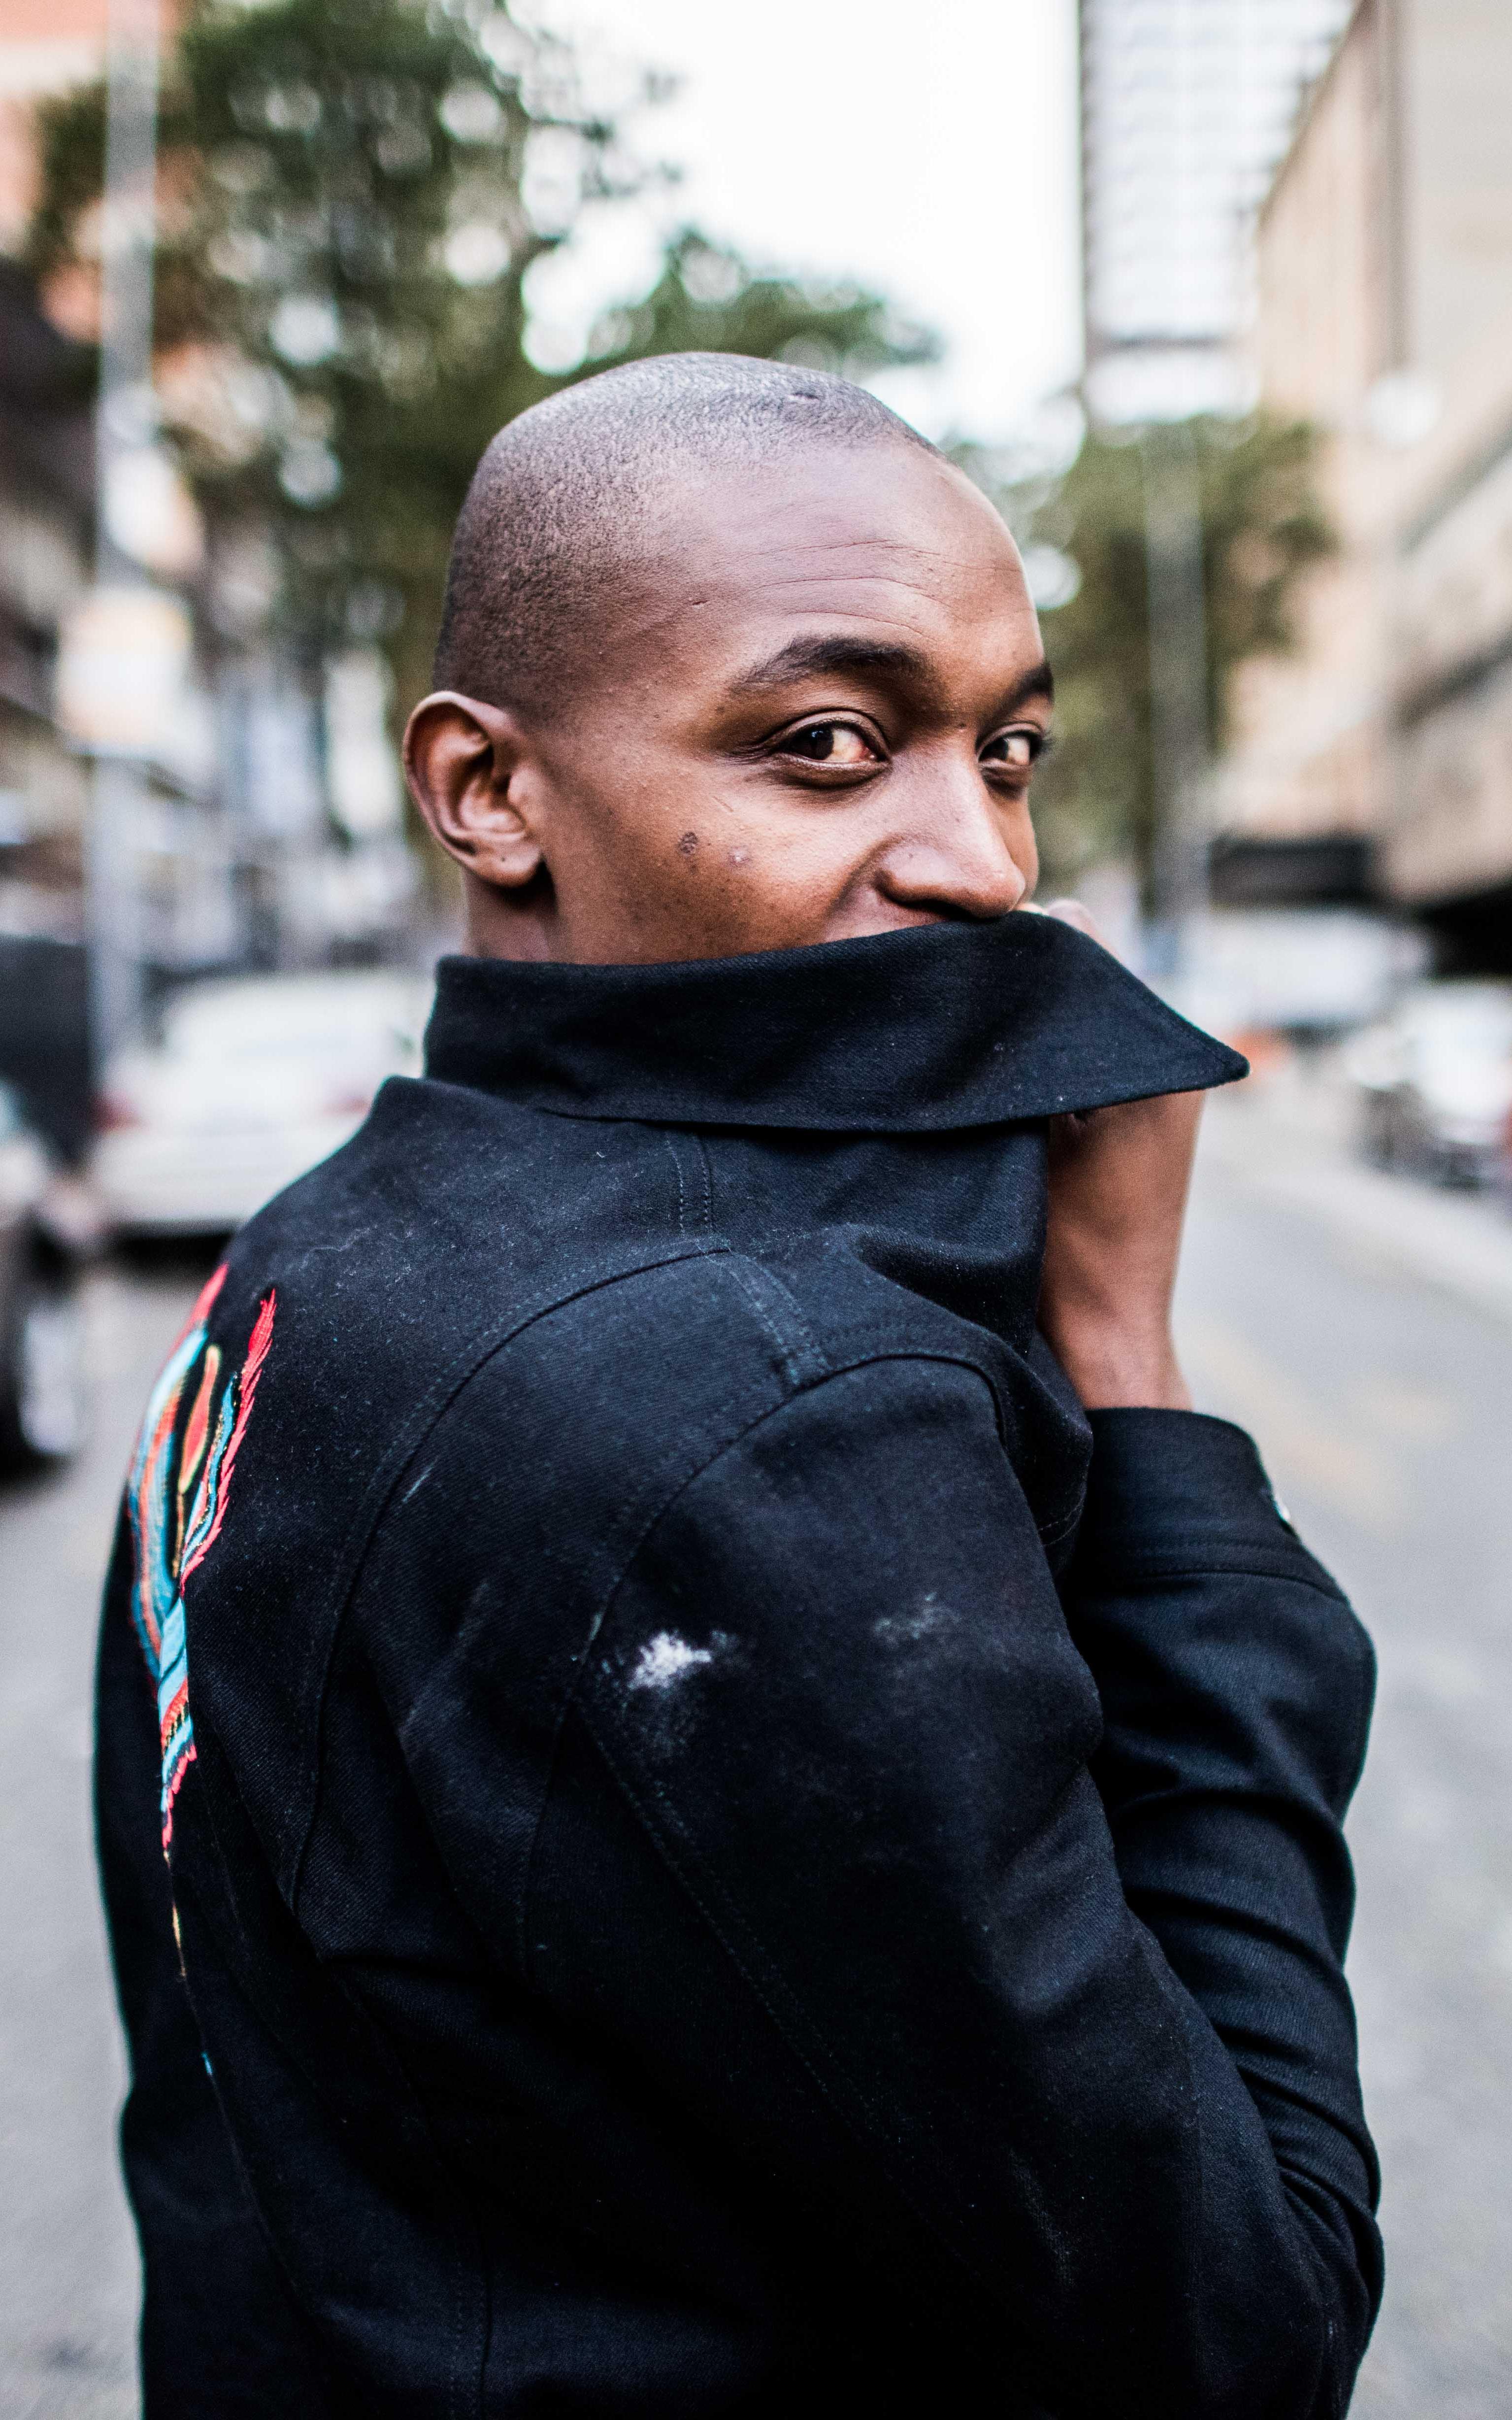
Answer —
1119 1181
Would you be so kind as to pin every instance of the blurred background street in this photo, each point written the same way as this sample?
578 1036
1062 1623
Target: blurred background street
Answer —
67 2270
1215 299
1381 1397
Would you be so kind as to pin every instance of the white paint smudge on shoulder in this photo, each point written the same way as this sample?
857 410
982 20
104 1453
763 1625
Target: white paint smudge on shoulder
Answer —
666 1659
910 1629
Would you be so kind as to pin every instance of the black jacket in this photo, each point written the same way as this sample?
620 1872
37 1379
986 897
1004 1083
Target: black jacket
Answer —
732 1853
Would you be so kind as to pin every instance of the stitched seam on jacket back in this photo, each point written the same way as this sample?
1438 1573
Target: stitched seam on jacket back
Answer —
252 1988
803 1362
695 1182
1123 1571
840 1370
485 1341
735 1922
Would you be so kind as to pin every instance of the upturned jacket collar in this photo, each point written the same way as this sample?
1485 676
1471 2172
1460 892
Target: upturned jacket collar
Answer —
932 1029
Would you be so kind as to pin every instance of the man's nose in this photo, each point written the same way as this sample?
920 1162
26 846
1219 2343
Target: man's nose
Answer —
956 855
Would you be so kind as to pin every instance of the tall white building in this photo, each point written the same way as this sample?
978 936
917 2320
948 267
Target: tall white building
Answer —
1384 318
1187 105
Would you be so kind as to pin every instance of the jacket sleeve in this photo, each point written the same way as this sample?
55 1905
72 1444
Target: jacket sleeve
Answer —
1235 1687
838 1685
219 2335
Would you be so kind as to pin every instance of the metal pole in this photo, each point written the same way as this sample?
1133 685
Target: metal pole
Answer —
123 417
1179 735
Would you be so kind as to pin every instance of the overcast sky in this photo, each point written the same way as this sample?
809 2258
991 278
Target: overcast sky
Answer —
924 147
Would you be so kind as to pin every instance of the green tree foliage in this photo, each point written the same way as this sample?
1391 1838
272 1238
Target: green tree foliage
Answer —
353 195
1262 527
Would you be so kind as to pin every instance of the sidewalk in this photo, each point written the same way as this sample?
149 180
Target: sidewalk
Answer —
1289 1137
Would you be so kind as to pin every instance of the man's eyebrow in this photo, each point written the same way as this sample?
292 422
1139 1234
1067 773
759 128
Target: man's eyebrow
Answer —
886 658
1041 682
879 659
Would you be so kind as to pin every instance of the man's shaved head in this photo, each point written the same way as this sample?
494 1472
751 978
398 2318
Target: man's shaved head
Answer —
570 500
733 661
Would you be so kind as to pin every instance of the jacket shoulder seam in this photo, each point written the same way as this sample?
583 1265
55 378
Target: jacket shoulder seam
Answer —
453 1381
1140 1568
659 1513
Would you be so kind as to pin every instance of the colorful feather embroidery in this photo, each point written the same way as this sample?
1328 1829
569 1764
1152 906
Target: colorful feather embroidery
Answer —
176 1504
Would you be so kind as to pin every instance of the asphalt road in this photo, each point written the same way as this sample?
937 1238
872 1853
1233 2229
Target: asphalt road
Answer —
1382 1403
67 2271
1382 1400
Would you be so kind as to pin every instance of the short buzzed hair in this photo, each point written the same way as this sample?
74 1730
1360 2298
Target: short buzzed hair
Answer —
562 507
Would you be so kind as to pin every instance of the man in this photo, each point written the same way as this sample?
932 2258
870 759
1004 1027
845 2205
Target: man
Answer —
752 1800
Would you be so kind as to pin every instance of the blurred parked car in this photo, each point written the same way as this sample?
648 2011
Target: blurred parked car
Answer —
251 1082
41 1326
1435 1081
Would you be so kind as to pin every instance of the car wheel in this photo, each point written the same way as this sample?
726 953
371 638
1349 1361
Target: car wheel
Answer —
42 1392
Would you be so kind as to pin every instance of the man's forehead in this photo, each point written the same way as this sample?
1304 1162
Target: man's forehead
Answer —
888 512
868 551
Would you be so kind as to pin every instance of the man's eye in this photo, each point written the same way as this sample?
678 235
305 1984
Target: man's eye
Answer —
830 743
1013 751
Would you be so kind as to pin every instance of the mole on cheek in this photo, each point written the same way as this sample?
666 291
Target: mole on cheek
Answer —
738 857
688 844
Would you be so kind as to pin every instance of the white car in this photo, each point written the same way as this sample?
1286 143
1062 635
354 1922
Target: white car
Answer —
1434 1082
251 1081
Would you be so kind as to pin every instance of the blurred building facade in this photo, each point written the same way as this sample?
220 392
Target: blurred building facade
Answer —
1186 106
1383 315
45 46
46 531
267 825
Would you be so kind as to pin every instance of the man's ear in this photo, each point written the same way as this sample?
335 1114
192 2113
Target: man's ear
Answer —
460 759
